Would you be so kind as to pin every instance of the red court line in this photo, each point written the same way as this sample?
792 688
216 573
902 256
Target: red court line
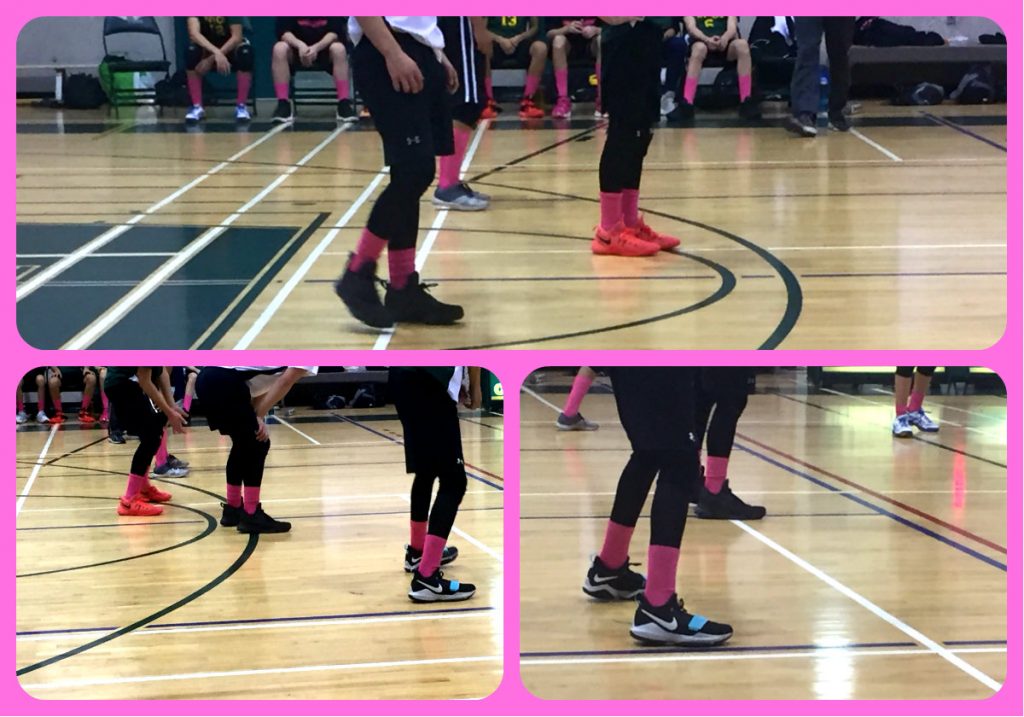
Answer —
880 496
478 469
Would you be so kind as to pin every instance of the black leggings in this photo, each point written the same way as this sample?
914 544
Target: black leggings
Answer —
137 416
721 400
676 470
908 371
622 160
450 491
246 459
396 214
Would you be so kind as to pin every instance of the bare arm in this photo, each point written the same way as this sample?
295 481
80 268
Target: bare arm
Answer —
326 41
690 23
405 74
480 33
278 390
234 41
293 41
197 38
377 32
475 398
156 395
730 30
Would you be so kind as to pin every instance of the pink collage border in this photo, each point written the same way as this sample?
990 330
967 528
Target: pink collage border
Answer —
512 366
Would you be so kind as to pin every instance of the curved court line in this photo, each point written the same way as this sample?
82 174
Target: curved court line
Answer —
211 525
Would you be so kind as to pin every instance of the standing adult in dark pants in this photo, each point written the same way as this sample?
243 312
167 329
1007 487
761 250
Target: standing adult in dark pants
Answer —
804 89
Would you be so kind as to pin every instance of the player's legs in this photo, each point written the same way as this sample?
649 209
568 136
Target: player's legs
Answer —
538 58
54 381
105 415
242 61
89 378
916 414
839 33
595 51
21 416
674 50
138 416
338 53
197 64
902 383
698 53
40 379
281 58
560 61
570 418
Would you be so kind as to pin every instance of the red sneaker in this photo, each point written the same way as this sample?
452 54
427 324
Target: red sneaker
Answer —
620 241
137 505
528 110
152 494
664 241
57 418
490 111
86 417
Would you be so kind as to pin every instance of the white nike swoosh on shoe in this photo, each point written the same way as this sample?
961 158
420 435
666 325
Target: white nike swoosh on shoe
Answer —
670 626
438 590
601 581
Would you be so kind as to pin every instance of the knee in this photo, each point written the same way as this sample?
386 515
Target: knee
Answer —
90 381
280 51
905 371
559 43
54 383
244 58
454 483
414 176
698 52
742 46
338 53
538 50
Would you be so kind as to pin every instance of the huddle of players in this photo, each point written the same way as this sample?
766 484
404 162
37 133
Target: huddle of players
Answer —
236 402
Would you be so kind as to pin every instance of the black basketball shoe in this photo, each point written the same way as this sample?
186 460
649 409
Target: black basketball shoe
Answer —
415 305
413 557
670 624
603 583
436 589
358 291
726 505
283 112
260 522
231 515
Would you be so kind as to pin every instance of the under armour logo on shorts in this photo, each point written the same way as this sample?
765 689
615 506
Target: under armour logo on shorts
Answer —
412 140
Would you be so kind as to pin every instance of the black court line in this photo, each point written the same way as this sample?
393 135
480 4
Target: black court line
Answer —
901 274
604 516
376 513
247 551
271 620
108 525
752 648
481 423
73 451
523 158
963 130
211 525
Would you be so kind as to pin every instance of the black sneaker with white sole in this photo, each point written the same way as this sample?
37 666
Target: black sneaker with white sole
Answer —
804 124
414 304
283 112
358 291
604 583
231 516
670 624
726 505
346 112
413 557
436 588
838 122
260 522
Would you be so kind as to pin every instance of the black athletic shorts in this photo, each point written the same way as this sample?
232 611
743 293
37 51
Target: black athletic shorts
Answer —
322 62
135 412
519 59
226 400
631 77
656 406
412 126
430 421
196 54
727 381
580 47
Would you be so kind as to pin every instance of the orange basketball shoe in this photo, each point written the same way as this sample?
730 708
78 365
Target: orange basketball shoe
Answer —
619 241
664 241
152 494
137 505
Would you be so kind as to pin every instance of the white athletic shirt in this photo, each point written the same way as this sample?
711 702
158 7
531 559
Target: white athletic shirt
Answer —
423 27
261 382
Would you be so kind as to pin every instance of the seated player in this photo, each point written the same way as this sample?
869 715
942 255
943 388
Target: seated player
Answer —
910 388
675 48
90 379
104 401
572 37
310 43
719 38
514 46
21 416
236 400
54 383
427 399
218 43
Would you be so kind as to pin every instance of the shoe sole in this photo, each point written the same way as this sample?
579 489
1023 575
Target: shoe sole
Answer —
282 120
441 204
658 637
601 250
604 593
425 596
707 515
799 130
137 514
424 322
909 434
576 427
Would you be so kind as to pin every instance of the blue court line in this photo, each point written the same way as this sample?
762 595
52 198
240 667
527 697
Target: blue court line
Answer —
604 516
398 442
960 128
383 512
749 648
878 509
268 620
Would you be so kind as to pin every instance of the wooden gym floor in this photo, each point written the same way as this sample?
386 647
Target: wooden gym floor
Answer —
879 572
151 235
178 607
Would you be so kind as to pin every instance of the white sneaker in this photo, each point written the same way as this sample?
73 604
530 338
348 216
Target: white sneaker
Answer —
242 113
921 419
901 426
195 113
22 417
41 417
576 423
668 103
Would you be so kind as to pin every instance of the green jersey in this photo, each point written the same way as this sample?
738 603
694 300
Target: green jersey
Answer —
610 33
509 25
218 29
712 26
119 375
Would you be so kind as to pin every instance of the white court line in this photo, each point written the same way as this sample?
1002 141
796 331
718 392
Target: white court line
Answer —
384 338
304 435
857 247
108 236
915 635
36 468
864 138
303 269
282 624
104 255
946 406
876 404
99 327
470 539
68 684
530 391
711 655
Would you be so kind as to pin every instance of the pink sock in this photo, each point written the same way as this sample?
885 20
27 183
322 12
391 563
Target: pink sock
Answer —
41 401
690 89
368 250
250 498
630 207
186 403
562 82
916 401
85 403
244 82
58 406
580 385
451 164
161 452
433 546
661 574
195 89
106 403
744 87
233 493
489 88
342 87
901 408
135 484
281 90
615 550
532 83
21 405
715 473
417 534
401 263
611 209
